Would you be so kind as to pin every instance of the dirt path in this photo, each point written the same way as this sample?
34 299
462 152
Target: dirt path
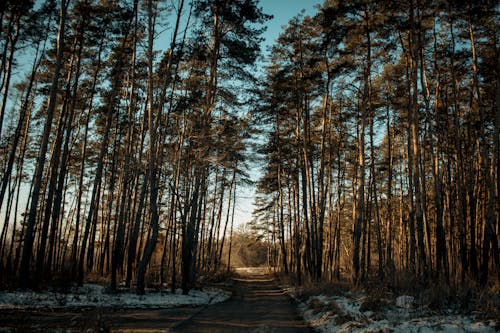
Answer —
257 306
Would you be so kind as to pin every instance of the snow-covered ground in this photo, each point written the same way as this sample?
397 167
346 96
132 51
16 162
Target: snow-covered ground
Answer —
91 295
358 314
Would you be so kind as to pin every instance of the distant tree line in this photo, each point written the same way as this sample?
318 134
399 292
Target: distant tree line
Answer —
124 134
382 151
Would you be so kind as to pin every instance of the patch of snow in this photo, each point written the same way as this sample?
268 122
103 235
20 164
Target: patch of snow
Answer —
405 302
343 314
96 296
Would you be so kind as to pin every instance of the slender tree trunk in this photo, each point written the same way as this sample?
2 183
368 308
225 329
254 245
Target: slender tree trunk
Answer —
228 213
231 232
359 200
490 241
281 222
58 199
10 62
65 119
188 230
153 158
22 124
414 47
90 223
74 250
24 272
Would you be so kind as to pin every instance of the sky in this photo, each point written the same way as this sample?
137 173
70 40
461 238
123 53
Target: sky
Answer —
282 11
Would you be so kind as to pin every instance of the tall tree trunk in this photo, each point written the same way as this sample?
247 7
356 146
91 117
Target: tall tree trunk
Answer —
188 231
490 241
22 123
231 232
24 272
414 47
12 37
281 221
228 213
55 161
359 201
90 223
58 199
74 250
153 120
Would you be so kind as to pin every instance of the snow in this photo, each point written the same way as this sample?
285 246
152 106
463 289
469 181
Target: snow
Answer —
405 301
91 295
345 314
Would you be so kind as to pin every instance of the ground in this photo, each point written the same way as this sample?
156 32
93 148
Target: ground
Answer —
345 311
251 301
257 305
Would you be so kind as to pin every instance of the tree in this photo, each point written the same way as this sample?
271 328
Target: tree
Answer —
24 270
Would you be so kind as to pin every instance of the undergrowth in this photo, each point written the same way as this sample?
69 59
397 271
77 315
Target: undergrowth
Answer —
436 296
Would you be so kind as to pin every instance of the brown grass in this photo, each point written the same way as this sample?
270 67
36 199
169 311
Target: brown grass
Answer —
434 295
341 317
489 302
324 288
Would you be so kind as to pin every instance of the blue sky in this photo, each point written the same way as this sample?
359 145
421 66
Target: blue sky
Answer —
283 11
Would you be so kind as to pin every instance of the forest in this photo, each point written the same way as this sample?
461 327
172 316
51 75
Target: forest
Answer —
127 129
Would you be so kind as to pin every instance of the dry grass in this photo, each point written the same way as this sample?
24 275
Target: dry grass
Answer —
60 282
216 276
434 295
317 306
341 317
373 304
467 297
8 281
283 279
324 288
96 278
489 302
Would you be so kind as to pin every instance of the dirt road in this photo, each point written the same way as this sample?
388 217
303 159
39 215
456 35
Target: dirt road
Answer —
257 306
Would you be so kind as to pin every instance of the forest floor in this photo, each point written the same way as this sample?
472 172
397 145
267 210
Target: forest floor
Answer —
340 309
257 305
